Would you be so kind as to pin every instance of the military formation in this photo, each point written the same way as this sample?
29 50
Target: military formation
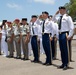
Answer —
42 33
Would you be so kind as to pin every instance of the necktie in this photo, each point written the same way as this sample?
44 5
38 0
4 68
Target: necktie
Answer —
60 22
43 26
32 28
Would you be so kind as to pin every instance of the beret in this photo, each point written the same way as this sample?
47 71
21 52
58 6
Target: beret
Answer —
62 7
24 19
45 12
17 20
33 16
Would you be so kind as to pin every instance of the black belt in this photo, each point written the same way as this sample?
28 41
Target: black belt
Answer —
45 33
24 35
63 32
34 36
17 35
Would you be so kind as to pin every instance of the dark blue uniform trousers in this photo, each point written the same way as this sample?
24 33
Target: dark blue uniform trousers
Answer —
35 47
63 49
46 46
53 47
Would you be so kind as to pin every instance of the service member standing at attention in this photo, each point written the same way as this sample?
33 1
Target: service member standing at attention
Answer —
65 26
54 41
17 38
10 36
70 49
47 28
25 38
4 46
41 50
34 36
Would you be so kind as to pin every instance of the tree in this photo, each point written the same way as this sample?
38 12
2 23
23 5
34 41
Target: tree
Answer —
71 8
72 1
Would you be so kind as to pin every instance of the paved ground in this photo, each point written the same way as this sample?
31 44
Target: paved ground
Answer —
19 67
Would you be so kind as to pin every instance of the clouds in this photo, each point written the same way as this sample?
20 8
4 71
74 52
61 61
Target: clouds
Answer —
20 7
44 1
14 6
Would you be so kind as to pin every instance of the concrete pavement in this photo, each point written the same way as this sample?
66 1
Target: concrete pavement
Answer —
11 66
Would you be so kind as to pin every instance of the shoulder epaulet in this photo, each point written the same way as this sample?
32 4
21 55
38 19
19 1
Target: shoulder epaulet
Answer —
67 15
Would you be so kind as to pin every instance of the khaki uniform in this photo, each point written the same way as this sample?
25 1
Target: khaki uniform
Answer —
25 31
17 32
10 32
0 47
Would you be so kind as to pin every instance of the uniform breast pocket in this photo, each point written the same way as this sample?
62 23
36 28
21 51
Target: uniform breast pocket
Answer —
47 23
24 30
64 20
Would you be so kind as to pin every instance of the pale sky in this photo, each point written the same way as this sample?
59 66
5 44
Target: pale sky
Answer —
12 9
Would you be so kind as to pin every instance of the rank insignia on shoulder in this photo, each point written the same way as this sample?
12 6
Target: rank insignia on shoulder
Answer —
46 23
67 15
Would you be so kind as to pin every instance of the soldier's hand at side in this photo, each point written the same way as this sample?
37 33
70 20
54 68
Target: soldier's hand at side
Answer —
10 40
56 39
51 38
38 39
18 41
26 40
68 38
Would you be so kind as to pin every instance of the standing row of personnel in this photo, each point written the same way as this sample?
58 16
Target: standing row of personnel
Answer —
15 33
50 31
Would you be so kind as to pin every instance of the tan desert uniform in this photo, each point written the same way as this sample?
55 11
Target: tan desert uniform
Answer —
10 32
17 32
25 31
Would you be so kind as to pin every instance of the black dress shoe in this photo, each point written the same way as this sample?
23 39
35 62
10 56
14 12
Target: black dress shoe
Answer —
18 57
9 56
54 58
32 60
65 67
37 61
27 59
47 64
60 67
44 63
72 61
24 59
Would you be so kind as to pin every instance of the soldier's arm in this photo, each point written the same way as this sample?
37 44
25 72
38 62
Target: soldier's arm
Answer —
71 27
54 17
0 36
12 36
28 34
20 38
20 30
